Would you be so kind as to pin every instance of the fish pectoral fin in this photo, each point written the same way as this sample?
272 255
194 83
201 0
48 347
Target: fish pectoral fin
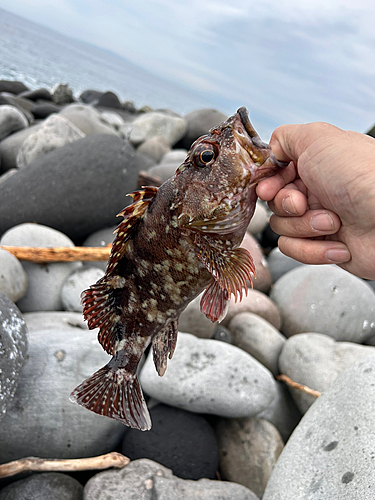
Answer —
214 302
230 268
115 394
163 346
132 215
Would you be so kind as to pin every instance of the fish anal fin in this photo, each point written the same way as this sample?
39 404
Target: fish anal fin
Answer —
163 346
114 394
132 215
99 312
214 302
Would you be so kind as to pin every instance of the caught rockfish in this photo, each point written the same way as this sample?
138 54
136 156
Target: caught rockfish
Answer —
174 242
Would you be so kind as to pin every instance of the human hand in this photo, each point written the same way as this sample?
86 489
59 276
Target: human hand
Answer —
324 201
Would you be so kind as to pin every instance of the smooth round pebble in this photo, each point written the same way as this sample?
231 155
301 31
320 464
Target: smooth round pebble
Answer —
11 120
10 146
13 279
44 486
182 441
315 360
87 119
259 220
330 453
199 122
279 264
145 126
155 148
193 321
75 284
262 280
259 338
207 376
54 320
101 238
325 299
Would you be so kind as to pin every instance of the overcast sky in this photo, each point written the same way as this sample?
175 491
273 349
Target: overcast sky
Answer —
289 61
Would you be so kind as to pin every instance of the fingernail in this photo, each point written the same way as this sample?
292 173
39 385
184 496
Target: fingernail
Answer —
322 222
289 206
337 255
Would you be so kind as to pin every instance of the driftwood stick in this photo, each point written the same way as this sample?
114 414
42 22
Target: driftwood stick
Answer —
59 254
107 461
300 387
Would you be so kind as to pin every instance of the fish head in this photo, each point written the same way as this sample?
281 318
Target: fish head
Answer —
218 178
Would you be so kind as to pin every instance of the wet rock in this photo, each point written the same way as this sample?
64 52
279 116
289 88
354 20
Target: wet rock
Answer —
172 128
199 123
41 421
206 376
155 148
259 338
13 279
249 449
55 132
87 119
149 480
255 302
325 299
262 281
62 94
330 452
45 281
279 264
75 284
179 440
315 360
77 189
11 120
44 486
12 86
13 349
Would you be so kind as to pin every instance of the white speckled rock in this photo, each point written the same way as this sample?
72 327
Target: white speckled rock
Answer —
315 360
13 279
44 280
325 299
259 338
147 480
74 285
260 219
55 132
11 120
172 128
263 279
279 264
207 376
330 455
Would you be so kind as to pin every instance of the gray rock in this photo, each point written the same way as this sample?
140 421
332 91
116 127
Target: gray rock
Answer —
262 280
371 283
10 146
155 148
45 281
74 285
55 132
87 119
207 376
259 338
148 480
112 119
12 86
260 219
24 105
279 264
249 449
172 128
45 486
255 302
282 412
325 299
101 238
11 120
54 320
62 94
199 122
330 452
13 349
315 360
193 321
13 279
42 422
169 163
35 95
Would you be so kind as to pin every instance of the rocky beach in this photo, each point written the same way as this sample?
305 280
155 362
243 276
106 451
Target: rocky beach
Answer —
224 425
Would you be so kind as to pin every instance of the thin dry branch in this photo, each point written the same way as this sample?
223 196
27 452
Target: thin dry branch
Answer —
59 254
300 387
107 461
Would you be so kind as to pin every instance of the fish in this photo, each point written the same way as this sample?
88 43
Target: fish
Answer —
174 243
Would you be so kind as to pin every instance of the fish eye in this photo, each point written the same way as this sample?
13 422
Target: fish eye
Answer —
204 156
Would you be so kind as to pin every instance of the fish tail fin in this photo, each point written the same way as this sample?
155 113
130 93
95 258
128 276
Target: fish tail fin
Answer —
115 394
99 312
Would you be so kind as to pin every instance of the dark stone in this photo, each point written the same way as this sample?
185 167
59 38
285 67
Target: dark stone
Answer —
20 103
36 94
199 123
222 333
109 100
90 96
45 486
13 87
269 238
41 111
77 189
179 440
10 146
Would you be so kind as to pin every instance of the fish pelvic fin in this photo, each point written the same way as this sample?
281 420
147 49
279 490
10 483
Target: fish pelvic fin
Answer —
114 394
214 302
99 312
163 346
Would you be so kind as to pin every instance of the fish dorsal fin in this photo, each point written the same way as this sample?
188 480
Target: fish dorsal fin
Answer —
229 268
132 214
